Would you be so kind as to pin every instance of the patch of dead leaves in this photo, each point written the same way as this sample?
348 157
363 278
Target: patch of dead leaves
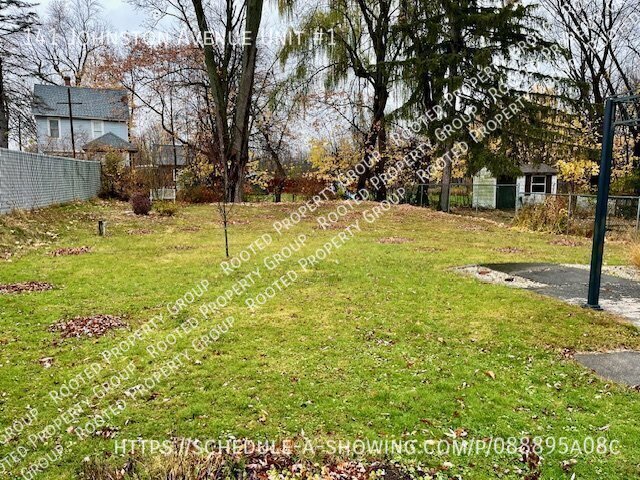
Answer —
512 250
93 326
139 231
394 240
566 242
25 287
60 252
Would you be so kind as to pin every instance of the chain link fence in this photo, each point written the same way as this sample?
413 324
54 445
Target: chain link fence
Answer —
508 200
32 180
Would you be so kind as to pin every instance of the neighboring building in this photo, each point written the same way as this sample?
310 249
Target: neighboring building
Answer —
162 168
534 183
100 120
165 163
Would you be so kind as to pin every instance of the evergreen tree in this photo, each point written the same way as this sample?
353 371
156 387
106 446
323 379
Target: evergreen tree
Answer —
16 17
449 43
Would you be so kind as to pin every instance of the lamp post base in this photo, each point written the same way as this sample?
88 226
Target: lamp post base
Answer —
592 307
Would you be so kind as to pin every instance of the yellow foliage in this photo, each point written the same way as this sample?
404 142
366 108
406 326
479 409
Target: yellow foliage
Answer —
330 161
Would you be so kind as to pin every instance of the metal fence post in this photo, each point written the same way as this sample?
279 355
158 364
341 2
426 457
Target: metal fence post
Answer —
600 225
569 216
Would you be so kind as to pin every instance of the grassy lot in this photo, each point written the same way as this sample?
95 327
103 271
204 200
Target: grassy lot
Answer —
380 340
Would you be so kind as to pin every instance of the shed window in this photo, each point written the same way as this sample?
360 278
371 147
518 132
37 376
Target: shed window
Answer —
54 128
538 184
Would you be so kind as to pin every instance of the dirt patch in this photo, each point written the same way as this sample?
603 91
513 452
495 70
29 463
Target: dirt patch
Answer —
25 287
93 326
395 240
61 252
190 229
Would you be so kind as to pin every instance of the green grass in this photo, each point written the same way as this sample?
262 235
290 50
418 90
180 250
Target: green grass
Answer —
380 340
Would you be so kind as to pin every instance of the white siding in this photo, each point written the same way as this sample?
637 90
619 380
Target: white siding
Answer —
82 133
484 189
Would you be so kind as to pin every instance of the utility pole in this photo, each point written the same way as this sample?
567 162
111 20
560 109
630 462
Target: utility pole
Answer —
67 82
173 142
19 132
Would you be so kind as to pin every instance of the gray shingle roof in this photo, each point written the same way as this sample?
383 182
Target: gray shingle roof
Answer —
542 168
163 155
94 103
109 141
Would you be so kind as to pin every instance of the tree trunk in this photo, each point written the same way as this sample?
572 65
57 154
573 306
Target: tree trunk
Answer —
376 137
234 140
4 111
381 190
280 178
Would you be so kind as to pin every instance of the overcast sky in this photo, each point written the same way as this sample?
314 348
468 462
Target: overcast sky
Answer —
119 14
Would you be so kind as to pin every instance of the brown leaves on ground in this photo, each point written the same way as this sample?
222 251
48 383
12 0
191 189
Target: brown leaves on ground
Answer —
46 362
395 240
510 250
567 242
60 252
93 326
139 231
530 458
25 287
260 464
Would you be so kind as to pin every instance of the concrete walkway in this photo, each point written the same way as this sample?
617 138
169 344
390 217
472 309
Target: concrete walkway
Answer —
621 367
617 295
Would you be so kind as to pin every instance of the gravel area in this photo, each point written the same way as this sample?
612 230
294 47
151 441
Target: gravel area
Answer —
630 273
493 276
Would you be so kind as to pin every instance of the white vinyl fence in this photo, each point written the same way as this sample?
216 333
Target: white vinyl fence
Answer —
32 180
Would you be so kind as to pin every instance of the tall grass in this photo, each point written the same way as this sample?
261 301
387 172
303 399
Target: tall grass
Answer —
635 255
551 216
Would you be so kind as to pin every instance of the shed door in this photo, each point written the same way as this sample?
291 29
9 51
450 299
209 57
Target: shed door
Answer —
506 193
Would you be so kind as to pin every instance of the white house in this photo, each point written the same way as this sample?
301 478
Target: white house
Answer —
533 184
100 119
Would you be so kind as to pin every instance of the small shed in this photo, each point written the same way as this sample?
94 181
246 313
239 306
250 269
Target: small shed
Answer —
533 184
110 142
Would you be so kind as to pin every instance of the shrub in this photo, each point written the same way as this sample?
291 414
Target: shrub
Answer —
140 203
199 194
166 209
551 216
635 255
116 178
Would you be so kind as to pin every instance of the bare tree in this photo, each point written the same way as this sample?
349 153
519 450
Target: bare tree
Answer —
69 42
602 53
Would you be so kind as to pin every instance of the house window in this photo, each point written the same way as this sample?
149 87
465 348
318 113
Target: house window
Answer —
54 128
539 184
97 128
